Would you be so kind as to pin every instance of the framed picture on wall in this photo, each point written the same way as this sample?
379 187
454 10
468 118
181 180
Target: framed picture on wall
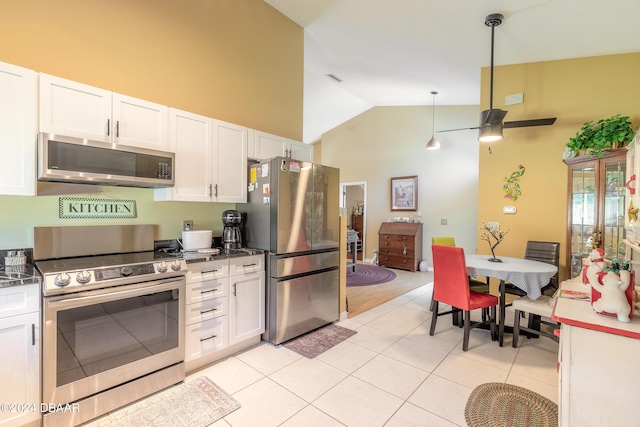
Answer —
404 193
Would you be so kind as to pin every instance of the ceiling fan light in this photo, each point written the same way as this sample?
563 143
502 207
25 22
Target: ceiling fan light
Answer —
433 144
490 133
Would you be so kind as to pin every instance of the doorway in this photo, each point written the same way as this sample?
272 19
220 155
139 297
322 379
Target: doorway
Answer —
354 202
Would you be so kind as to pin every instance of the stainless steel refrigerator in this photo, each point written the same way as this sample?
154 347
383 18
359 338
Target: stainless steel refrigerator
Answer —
293 214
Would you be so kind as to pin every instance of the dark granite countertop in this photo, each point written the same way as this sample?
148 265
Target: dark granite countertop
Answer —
18 275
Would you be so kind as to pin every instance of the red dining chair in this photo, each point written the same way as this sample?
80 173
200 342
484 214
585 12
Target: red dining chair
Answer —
475 285
451 286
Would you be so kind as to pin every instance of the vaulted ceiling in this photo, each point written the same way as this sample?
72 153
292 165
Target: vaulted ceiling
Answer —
396 52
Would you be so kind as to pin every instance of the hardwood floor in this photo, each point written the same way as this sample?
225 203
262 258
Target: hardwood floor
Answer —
363 298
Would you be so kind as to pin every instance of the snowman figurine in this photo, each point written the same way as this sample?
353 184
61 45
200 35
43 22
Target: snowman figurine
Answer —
613 299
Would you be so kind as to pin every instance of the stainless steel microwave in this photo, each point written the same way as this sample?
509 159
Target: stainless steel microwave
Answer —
77 160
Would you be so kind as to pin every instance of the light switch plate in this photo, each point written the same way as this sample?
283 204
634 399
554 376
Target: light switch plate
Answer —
516 98
509 209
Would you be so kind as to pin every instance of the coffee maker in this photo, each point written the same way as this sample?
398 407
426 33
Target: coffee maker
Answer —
231 234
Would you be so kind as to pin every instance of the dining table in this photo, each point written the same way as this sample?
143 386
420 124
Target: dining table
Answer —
528 275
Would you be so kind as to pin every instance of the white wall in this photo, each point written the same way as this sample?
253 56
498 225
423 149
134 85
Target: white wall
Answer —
386 142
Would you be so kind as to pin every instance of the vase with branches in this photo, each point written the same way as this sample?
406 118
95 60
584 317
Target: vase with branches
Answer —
492 234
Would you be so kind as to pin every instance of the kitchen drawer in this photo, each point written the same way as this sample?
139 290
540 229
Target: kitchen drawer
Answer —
207 289
246 264
15 300
199 271
207 309
206 337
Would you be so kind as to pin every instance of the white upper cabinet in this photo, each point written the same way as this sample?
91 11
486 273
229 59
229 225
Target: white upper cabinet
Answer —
300 151
74 109
264 145
230 162
18 130
211 160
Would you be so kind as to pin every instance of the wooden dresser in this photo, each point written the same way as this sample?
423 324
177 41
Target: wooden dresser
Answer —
400 245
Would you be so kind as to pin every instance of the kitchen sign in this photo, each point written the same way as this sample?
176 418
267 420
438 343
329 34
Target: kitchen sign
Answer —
69 207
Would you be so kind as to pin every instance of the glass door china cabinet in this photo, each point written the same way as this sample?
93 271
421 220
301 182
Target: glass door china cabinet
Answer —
596 207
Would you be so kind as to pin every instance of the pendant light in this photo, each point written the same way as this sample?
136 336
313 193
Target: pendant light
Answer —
433 143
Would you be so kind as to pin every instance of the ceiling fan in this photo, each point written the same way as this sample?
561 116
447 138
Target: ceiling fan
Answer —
491 120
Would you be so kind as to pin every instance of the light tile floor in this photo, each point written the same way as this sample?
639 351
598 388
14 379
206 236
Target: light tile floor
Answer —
391 373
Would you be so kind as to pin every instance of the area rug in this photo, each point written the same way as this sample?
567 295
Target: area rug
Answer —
317 342
369 275
499 404
197 403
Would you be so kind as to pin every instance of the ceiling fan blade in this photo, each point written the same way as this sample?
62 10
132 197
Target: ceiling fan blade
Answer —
528 123
453 130
493 116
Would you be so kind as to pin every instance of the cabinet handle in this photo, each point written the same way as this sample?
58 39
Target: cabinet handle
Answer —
210 290
210 190
216 190
208 338
118 129
208 311
248 265
33 334
108 127
209 271
234 289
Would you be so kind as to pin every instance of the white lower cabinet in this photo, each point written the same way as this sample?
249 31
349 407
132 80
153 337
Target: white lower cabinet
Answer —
224 308
246 308
20 355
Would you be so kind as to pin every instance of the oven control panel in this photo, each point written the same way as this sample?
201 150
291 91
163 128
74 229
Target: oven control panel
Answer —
78 280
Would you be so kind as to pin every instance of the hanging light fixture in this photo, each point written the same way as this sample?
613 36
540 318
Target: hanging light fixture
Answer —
433 143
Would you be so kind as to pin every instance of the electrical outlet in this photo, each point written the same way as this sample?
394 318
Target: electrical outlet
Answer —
187 225
443 222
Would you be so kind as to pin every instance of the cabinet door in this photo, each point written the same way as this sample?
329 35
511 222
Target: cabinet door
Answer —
74 109
230 162
20 367
140 123
612 206
246 306
191 139
300 151
596 208
18 130
267 146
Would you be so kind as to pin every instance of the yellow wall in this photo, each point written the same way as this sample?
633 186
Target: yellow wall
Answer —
386 142
235 60
574 91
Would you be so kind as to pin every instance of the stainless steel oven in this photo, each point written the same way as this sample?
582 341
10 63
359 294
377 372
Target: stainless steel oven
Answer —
113 324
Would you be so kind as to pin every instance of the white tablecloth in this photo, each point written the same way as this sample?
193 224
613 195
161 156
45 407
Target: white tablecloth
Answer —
530 276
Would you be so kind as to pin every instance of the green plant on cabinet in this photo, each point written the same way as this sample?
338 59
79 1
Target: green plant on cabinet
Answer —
593 138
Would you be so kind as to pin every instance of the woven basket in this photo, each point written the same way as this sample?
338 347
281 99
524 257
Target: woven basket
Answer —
499 404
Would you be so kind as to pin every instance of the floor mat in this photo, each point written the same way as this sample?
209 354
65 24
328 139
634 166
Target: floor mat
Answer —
197 403
317 342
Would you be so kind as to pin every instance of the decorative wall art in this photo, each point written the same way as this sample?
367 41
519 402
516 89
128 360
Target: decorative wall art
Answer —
404 193
512 184
69 207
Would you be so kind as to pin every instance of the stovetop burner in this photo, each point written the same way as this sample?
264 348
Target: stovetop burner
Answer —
102 271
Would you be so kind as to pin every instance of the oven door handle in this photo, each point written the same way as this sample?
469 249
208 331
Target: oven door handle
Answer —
99 295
